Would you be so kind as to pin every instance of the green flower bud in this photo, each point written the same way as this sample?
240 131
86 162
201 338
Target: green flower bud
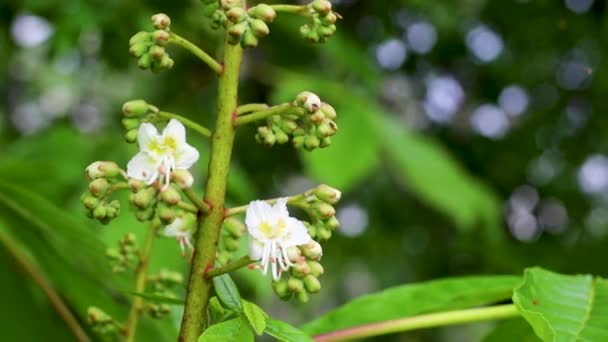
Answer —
236 15
102 169
298 142
308 100
328 20
90 202
97 316
136 185
145 215
183 178
316 269
294 254
231 244
112 212
144 62
281 289
295 285
140 49
312 250
161 21
130 123
312 231
170 196
99 187
234 227
139 37
144 198
312 284
332 223
311 142
326 31
236 32
288 126
165 214
161 37
316 117
99 212
135 108
328 110
259 27
113 254
324 130
302 297
323 234
228 4
327 194
300 269
166 62
281 137
263 12
129 239
307 33
321 6
325 142
157 52
250 40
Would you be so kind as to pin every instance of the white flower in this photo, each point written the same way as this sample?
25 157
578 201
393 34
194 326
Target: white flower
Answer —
182 232
161 154
272 231
312 102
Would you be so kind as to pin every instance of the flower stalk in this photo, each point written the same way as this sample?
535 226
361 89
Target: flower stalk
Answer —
202 130
207 237
233 266
262 114
202 55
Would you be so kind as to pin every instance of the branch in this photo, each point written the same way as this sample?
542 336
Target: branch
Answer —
32 270
202 55
262 114
197 201
296 9
250 107
293 200
204 131
235 265
421 321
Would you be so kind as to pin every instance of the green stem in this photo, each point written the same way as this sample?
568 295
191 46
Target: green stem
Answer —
54 298
250 107
235 265
187 122
208 235
202 55
297 9
262 114
187 207
141 272
197 201
243 208
422 321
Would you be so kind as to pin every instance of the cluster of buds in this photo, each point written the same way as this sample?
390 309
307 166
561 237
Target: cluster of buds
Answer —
310 124
319 206
126 256
304 275
212 10
246 27
135 112
148 47
232 231
149 202
101 322
162 284
103 176
323 22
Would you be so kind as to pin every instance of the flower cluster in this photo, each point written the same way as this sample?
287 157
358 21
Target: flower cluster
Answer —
248 26
104 181
323 22
303 275
232 231
101 322
310 124
319 205
163 285
126 256
148 47
182 229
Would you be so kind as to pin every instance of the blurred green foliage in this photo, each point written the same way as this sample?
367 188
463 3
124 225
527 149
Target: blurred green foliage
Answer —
428 199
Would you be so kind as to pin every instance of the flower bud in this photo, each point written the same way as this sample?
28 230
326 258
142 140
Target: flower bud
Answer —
131 136
136 185
166 62
99 212
259 27
135 108
231 244
170 196
323 234
328 110
157 52
324 130
294 254
165 214
328 20
236 32
96 316
228 4
300 269
236 15
308 101
311 142
234 227
90 202
140 49
139 37
325 142
263 12
321 6
316 269
281 289
312 284
250 40
130 123
144 62
288 126
161 21
281 137
99 187
295 285
161 37
298 141
145 215
327 194
112 212
312 250
307 33
144 198
183 178
302 297
326 31
332 223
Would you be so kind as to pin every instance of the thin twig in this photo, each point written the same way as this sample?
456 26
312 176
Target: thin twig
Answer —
202 55
235 265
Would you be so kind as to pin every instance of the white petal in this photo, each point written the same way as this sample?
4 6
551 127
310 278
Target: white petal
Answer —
298 234
145 134
279 210
176 130
173 229
143 167
256 249
257 212
186 157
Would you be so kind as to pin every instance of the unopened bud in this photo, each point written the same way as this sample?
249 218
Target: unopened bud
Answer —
234 227
325 142
90 202
323 234
170 196
131 136
135 108
231 244
281 137
327 31
105 169
139 49
145 215
321 6
161 21
308 101
311 142
157 52
259 27
136 185
295 285
144 62
99 212
236 32
302 297
183 178
325 130
281 289
130 123
328 110
99 187
327 194
312 284
293 253
263 12
250 40
165 214
236 15
312 250
140 37
332 223
228 4
316 269
324 210
144 198
300 269
161 37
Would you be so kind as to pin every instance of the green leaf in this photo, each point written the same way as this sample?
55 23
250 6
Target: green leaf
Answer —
564 307
516 329
234 330
256 316
414 299
227 292
157 298
285 332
